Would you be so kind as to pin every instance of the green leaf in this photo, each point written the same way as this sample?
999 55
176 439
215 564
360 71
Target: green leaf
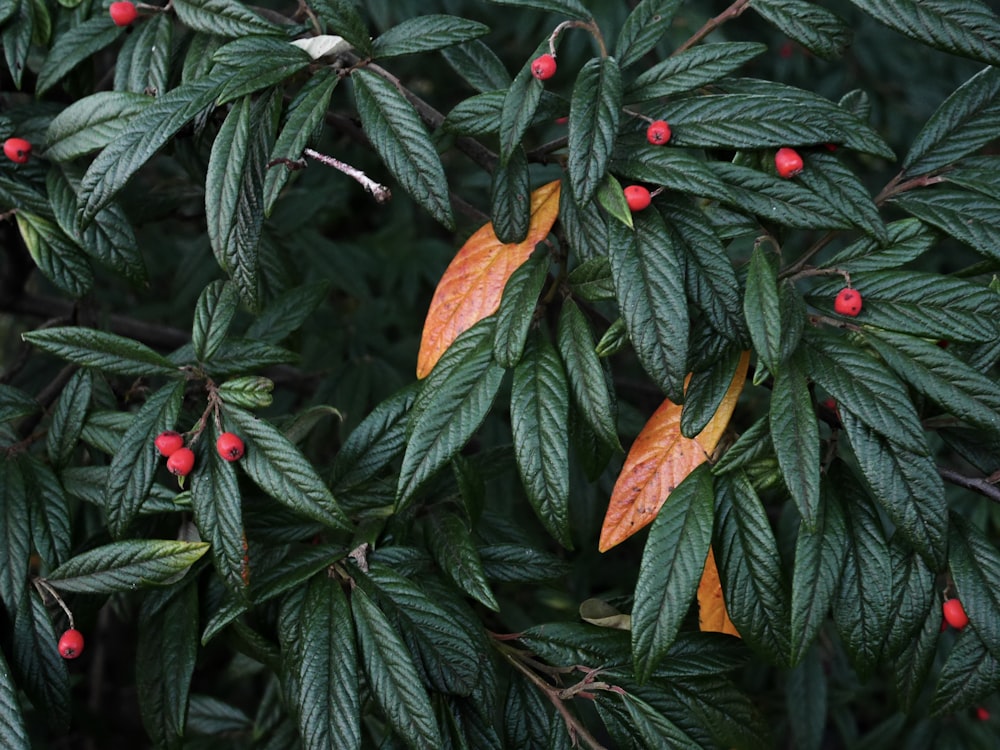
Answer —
539 412
51 533
642 723
519 105
942 377
228 18
819 558
15 533
73 47
975 566
643 29
68 418
424 33
594 112
675 169
648 271
571 8
247 392
817 29
375 442
134 464
967 120
517 310
13 734
166 650
140 139
127 566
912 666
402 141
761 307
16 39
218 513
970 29
57 257
914 598
234 193
977 173
515 563
143 63
213 313
287 312
302 124
970 675
41 670
15 403
971 218
591 393
91 123
478 65
844 192
753 581
343 18
450 542
452 404
706 390
672 564
795 436
329 705
237 355
392 676
864 387
806 701
585 228
862 608
259 62
907 239
510 198
279 468
691 69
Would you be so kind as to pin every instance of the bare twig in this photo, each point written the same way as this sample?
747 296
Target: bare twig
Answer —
733 11
379 191
977 484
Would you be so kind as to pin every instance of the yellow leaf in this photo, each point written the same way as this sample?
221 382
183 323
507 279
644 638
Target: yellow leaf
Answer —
712 614
659 460
473 283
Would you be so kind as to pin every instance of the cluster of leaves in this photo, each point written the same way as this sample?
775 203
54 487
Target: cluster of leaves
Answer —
415 563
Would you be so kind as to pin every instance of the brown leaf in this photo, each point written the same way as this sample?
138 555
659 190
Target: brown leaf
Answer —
659 460
473 283
712 614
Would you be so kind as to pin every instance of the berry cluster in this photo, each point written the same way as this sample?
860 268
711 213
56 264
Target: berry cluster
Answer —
180 459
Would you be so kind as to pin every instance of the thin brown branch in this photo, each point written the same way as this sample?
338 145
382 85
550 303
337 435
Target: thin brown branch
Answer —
733 11
976 484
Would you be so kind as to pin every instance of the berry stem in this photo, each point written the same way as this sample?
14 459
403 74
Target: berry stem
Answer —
733 11
41 583
590 26
898 185
807 272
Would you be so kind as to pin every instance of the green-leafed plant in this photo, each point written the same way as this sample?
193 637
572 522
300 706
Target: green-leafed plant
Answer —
499 374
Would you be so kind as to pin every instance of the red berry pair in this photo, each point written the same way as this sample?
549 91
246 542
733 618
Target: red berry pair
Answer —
17 150
71 644
123 13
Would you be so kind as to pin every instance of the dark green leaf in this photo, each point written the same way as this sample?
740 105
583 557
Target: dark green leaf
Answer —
140 139
643 723
57 257
643 28
510 198
907 239
280 469
706 390
968 677
975 565
68 418
672 564
517 310
692 69
13 734
795 436
127 566
594 111
965 121
591 280
237 355
815 28
302 123
675 169
41 671
259 62
401 139
16 39
392 676
452 404
571 8
165 656
143 63
970 29
591 393
971 218
912 666
478 64
75 46
15 403
648 271
761 306
134 464
248 392
539 412
825 175
212 315
287 312
913 591
91 123
426 32
15 533
518 564
862 608
51 532
375 442
806 701
229 18
519 105
450 541
586 228
978 173
342 17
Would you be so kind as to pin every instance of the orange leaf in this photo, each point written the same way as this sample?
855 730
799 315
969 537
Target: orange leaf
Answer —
658 461
473 283
712 614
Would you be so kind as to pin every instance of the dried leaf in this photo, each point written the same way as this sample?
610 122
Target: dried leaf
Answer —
712 615
473 283
658 461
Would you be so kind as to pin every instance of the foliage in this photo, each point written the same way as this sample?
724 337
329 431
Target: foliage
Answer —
632 482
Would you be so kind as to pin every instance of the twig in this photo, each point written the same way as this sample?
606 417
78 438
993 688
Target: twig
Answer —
379 191
976 484
898 185
733 11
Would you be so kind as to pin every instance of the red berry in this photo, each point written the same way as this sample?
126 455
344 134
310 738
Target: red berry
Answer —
788 162
982 714
17 150
954 614
658 132
230 446
169 442
637 197
848 302
543 67
180 462
71 644
123 13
